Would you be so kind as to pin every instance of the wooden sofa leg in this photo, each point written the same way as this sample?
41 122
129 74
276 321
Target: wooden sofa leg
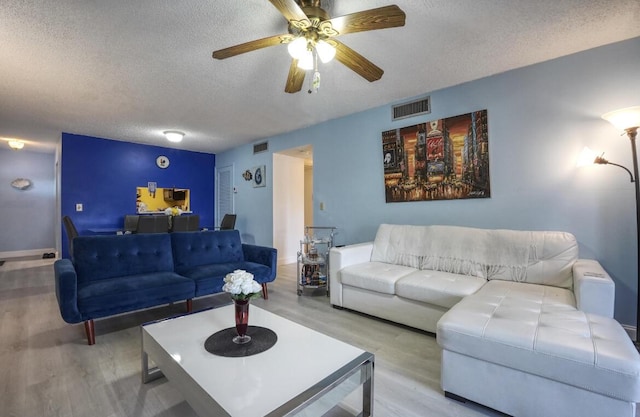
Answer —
189 305
90 330
265 292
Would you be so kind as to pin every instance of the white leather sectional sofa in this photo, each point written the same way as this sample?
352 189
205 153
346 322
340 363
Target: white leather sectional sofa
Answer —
525 326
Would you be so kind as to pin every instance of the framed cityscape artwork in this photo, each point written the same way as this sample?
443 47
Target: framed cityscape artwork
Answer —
444 159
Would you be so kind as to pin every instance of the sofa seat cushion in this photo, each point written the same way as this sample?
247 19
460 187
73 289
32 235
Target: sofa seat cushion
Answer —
209 278
375 276
537 334
438 288
117 295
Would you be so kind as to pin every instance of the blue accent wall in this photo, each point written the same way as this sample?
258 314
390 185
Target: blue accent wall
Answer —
103 174
539 119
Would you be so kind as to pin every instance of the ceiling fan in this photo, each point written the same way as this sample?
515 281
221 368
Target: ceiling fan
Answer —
312 34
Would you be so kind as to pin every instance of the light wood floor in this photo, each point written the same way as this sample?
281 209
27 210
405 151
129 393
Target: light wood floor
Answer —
47 369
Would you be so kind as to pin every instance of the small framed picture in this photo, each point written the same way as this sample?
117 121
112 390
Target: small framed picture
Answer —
259 176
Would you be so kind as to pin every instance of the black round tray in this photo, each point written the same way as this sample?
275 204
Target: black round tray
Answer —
221 343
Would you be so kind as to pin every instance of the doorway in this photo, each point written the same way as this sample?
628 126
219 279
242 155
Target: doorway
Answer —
224 193
292 200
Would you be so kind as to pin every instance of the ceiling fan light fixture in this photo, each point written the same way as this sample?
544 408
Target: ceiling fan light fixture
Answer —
326 51
310 38
298 47
173 135
305 62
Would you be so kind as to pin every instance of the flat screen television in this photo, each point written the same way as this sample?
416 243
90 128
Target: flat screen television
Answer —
171 194
179 195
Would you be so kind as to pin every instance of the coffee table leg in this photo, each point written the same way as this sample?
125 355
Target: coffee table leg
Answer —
152 374
367 391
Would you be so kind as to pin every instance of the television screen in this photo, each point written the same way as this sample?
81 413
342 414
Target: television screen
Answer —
179 195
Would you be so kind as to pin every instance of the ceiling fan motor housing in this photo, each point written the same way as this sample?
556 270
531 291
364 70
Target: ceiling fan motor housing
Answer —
313 9
309 3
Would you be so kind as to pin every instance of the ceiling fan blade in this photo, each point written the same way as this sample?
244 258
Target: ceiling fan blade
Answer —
373 19
361 65
295 78
249 46
289 9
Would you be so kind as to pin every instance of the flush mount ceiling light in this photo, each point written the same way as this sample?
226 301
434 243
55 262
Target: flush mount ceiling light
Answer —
173 135
16 144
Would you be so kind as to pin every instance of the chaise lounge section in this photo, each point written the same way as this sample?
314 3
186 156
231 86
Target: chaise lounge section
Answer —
522 351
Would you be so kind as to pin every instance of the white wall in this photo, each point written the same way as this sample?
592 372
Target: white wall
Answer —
288 206
308 195
539 119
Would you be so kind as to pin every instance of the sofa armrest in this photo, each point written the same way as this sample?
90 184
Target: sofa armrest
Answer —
593 287
262 255
341 257
67 290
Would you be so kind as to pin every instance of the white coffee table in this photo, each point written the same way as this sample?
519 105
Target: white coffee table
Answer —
306 373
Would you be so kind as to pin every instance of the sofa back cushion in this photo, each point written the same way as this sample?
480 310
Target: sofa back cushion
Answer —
538 257
102 257
203 248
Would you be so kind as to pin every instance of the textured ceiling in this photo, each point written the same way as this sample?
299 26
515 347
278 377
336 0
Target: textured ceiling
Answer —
130 70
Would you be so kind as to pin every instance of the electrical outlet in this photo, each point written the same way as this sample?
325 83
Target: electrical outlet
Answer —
78 206
321 206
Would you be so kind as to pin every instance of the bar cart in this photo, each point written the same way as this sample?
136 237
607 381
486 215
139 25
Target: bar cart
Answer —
313 258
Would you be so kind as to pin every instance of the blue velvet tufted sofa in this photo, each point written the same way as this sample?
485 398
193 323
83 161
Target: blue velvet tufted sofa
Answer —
117 274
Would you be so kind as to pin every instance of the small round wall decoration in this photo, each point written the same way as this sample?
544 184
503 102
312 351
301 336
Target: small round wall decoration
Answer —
21 183
162 161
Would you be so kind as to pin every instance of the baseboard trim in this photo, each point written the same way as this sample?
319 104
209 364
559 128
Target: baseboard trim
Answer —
25 253
287 260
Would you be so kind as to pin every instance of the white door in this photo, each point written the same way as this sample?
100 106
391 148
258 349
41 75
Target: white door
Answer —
224 192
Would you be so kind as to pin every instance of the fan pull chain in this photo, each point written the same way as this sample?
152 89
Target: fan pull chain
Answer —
315 81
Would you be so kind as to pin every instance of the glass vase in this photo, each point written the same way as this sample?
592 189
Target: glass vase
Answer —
242 321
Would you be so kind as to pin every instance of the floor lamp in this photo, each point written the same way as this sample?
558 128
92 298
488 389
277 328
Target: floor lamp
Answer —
628 120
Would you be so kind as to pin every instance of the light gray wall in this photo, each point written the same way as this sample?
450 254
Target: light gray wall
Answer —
28 216
539 117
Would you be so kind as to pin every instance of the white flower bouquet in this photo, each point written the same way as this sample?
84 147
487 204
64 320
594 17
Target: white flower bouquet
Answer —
241 285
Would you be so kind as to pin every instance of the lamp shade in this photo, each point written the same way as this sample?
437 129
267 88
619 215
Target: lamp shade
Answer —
586 157
624 119
305 62
326 52
173 135
298 47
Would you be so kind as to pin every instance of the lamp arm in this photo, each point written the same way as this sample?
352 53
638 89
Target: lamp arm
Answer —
601 160
625 168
